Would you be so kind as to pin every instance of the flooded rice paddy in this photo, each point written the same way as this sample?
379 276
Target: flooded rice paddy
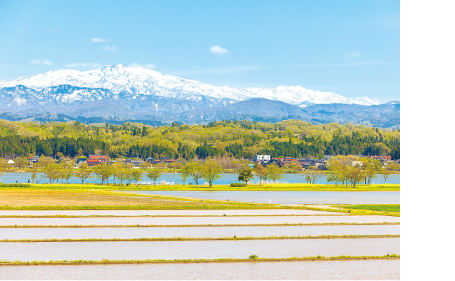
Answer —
210 249
290 197
270 212
197 220
198 232
169 250
323 270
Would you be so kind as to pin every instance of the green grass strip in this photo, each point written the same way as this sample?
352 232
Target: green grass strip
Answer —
229 260
198 238
376 207
195 225
216 187
161 216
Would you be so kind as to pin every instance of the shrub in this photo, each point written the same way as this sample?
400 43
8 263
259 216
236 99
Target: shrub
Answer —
237 184
15 185
253 257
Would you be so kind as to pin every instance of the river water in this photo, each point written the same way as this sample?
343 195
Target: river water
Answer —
175 178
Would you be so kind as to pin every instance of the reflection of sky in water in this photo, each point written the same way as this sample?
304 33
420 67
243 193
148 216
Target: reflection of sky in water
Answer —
291 197
346 270
222 231
44 251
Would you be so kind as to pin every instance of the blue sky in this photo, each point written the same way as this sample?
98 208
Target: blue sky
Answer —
343 46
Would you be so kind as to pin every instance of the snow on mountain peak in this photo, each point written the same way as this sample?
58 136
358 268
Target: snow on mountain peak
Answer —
136 80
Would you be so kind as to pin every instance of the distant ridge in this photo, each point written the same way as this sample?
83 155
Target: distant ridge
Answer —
119 93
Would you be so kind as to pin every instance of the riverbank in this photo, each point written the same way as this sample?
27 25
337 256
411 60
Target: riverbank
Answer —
215 187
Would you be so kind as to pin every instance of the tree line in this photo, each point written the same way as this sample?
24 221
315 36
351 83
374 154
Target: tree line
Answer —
239 139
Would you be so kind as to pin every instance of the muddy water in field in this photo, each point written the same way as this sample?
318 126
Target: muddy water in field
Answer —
351 270
239 231
197 220
45 251
290 197
165 212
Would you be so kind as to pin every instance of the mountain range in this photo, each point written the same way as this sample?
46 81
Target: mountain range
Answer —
120 93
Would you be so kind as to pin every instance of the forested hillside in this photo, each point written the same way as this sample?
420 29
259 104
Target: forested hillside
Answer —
241 139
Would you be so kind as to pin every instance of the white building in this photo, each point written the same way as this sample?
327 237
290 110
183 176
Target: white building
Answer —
265 158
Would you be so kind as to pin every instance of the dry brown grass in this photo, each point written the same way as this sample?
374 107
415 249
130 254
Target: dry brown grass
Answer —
95 199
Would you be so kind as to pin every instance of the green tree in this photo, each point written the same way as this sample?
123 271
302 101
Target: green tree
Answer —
34 174
355 174
274 172
211 171
386 172
184 174
136 175
175 165
246 174
194 169
103 172
312 175
66 171
294 168
3 165
154 174
371 167
261 172
121 172
52 172
83 173
21 162
145 165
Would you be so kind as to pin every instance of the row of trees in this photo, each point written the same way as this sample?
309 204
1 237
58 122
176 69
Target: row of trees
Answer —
341 169
209 170
354 170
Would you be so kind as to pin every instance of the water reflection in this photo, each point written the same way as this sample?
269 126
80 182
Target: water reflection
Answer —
167 250
166 232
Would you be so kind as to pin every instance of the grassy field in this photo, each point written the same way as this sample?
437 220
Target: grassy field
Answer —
102 197
393 208
270 187
85 199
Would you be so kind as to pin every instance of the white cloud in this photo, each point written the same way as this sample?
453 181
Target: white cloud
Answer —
147 65
110 48
218 50
99 40
92 65
42 61
352 55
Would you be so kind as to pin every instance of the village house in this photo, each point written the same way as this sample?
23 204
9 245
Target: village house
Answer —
81 160
33 159
380 157
136 163
262 158
94 160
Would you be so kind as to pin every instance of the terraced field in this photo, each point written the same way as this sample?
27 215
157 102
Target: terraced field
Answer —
252 243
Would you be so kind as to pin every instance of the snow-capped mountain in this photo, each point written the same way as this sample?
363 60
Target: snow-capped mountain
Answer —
300 96
120 93
136 82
